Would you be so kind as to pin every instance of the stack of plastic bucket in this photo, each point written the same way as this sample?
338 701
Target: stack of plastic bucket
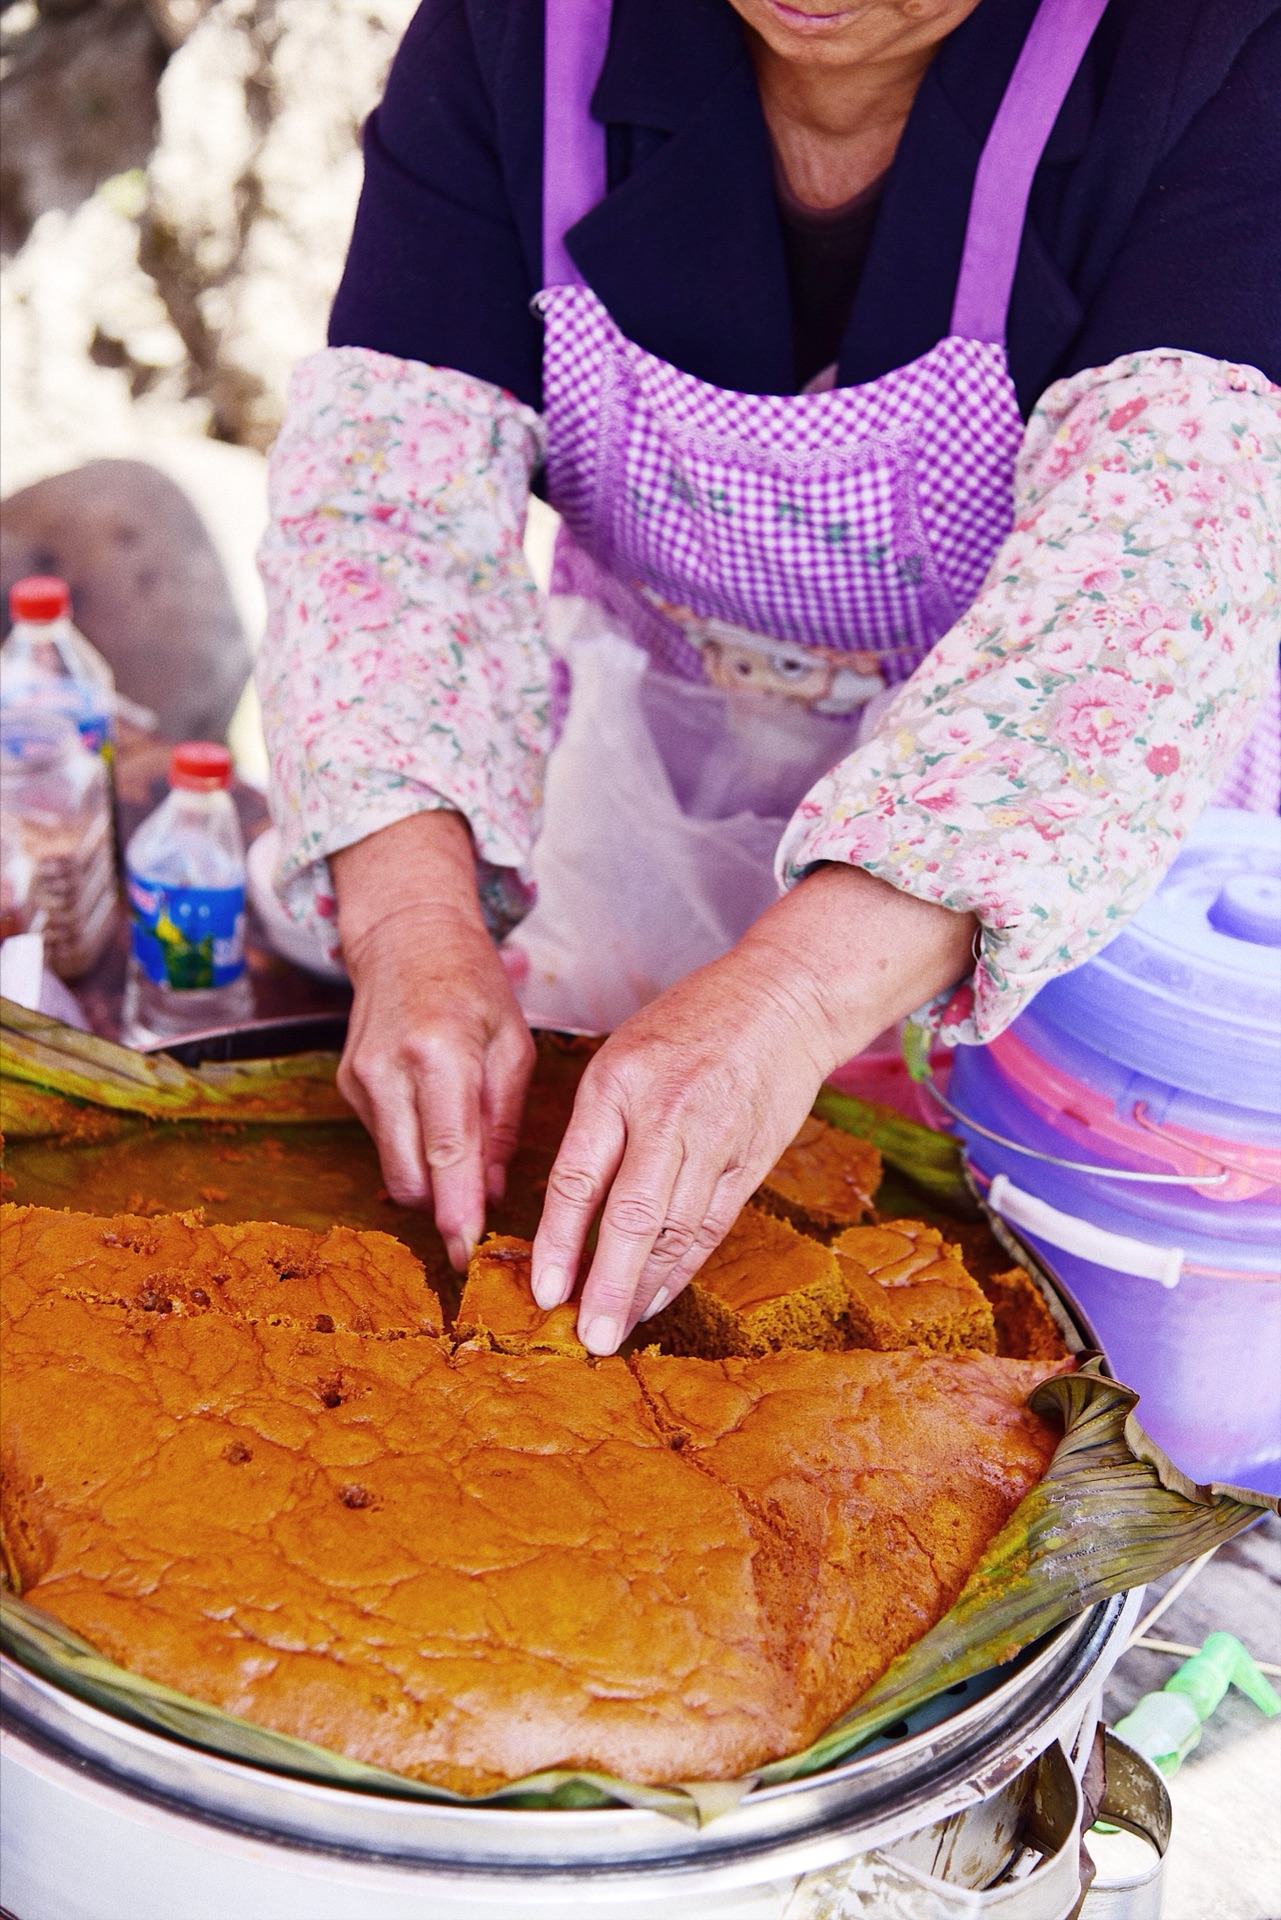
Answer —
1161 1057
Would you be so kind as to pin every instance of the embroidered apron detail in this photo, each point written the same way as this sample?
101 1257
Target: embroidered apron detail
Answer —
740 577
862 518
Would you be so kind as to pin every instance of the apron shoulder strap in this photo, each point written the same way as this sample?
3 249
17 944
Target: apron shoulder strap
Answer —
576 39
576 36
1046 68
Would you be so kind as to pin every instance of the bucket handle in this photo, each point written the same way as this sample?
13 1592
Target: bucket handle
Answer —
1073 1235
924 1077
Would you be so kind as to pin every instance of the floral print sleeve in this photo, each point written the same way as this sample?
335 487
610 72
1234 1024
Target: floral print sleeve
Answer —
1043 765
404 666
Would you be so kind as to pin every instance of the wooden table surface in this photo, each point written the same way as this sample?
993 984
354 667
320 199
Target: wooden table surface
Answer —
279 987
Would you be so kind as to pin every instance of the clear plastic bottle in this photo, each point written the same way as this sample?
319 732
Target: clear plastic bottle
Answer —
17 873
47 662
185 874
56 798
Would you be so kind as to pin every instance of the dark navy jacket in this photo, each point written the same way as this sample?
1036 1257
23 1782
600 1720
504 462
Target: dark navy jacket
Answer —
1155 218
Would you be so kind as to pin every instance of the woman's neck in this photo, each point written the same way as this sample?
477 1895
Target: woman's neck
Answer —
836 102
834 132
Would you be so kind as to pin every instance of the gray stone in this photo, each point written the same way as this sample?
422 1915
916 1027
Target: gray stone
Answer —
147 587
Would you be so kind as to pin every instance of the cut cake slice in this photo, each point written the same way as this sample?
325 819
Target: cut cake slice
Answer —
906 1286
285 1276
766 1287
1025 1327
825 1181
499 1311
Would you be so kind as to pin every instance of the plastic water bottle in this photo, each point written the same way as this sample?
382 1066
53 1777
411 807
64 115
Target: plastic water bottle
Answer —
56 800
47 662
185 875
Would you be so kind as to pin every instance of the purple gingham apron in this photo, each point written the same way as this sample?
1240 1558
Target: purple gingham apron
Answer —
740 579
857 520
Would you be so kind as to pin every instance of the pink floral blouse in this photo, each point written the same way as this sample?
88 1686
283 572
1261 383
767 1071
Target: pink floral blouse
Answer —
1040 769
1043 766
404 666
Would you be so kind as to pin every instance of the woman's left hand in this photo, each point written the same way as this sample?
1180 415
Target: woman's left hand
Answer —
689 1104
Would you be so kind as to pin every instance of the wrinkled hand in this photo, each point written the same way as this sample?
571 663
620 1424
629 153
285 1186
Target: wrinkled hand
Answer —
438 1056
690 1103
678 1118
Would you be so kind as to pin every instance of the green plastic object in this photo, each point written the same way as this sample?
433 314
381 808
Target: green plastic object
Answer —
917 1042
1165 1726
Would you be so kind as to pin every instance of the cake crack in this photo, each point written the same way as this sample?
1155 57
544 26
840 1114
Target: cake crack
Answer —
780 1547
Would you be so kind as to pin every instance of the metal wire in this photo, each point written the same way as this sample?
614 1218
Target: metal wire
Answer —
1185 1652
1073 1166
1170 1595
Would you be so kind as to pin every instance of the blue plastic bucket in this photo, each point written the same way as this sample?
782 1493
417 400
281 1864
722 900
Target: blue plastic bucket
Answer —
1161 1058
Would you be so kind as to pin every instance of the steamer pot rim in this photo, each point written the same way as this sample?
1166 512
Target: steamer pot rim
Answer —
964 1758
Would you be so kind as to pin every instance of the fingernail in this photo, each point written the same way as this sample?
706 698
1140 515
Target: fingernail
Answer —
459 1253
602 1334
657 1304
550 1288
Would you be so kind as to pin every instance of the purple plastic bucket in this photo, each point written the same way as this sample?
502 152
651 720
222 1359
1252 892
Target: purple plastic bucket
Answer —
1170 1036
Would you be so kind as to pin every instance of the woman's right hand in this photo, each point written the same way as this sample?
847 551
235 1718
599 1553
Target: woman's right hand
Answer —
438 1055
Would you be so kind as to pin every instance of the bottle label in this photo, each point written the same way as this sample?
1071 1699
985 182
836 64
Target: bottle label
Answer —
187 938
96 734
94 723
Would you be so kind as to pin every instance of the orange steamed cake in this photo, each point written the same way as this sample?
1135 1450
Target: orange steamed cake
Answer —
1025 1327
365 1282
464 1565
498 1310
766 1286
906 1286
825 1181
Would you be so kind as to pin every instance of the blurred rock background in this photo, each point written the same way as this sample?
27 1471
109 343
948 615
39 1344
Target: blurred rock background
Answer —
178 183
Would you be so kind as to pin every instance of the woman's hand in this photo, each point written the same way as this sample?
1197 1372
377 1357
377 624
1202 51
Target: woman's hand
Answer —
689 1104
438 1055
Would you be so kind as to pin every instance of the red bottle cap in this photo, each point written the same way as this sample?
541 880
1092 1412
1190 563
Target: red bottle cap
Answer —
39 597
198 766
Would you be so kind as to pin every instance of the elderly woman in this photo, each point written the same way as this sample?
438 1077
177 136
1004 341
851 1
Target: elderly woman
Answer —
901 373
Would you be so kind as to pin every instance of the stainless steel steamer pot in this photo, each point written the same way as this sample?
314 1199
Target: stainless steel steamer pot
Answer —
106 1821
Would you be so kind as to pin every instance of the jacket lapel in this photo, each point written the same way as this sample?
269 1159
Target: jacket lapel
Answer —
904 300
686 253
